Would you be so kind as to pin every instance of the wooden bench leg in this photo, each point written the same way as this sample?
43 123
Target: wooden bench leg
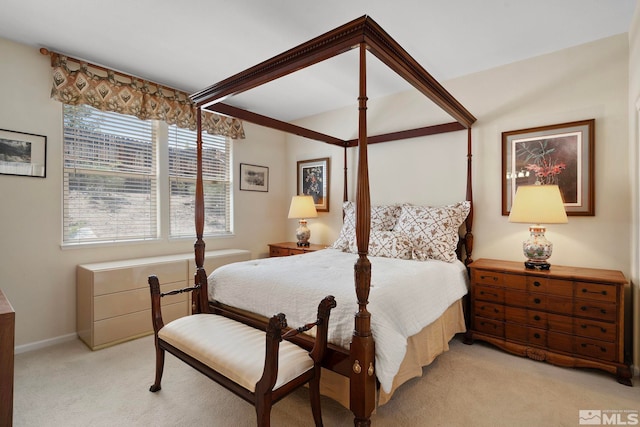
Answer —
263 410
314 396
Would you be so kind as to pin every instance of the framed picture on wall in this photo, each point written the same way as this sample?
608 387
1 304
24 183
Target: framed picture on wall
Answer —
23 154
561 154
254 178
313 180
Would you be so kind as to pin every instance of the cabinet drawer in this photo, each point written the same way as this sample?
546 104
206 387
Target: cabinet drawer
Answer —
120 303
559 341
537 337
491 327
550 286
122 279
560 323
516 332
485 277
275 251
119 328
595 310
489 310
595 329
595 291
537 319
296 251
488 293
596 349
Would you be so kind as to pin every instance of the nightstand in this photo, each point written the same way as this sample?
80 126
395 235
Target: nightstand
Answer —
567 316
291 248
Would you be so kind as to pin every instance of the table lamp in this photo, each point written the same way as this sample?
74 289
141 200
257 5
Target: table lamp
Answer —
538 204
302 207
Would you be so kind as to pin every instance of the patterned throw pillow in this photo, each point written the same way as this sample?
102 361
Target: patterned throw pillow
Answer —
433 230
384 243
383 217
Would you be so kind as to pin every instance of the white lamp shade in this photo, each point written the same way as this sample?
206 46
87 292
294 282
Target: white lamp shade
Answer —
538 204
302 207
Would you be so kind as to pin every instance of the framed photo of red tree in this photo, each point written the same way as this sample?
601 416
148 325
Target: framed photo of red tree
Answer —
561 154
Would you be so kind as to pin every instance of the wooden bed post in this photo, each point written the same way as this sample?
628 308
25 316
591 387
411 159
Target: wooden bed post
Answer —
345 192
468 223
363 380
200 300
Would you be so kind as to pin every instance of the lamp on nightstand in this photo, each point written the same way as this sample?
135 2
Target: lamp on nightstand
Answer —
302 207
538 204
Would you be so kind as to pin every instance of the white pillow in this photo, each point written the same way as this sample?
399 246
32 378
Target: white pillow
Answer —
384 243
433 230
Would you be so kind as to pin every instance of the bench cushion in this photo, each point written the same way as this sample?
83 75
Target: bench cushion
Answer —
233 349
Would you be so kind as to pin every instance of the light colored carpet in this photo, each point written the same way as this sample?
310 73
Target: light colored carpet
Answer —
478 385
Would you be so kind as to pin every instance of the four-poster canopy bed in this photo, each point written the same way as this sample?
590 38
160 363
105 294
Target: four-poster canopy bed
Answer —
358 361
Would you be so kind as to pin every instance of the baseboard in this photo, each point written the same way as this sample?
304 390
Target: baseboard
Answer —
45 343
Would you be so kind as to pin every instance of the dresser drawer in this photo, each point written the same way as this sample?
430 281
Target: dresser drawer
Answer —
550 286
595 291
596 349
537 319
119 303
489 310
488 293
595 329
491 327
595 310
560 323
276 251
559 341
513 281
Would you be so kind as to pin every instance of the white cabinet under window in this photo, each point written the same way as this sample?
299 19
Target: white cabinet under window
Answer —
113 299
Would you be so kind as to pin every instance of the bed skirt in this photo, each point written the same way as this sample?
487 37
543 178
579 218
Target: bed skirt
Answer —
422 349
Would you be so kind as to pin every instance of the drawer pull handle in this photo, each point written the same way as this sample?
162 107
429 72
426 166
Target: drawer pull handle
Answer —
536 317
537 284
494 278
585 326
602 349
602 310
536 336
489 293
537 301
489 324
585 291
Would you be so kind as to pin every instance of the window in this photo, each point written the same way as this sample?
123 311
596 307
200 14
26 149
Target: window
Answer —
216 161
111 176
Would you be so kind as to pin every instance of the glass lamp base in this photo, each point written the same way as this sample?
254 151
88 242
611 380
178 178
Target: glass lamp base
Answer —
537 265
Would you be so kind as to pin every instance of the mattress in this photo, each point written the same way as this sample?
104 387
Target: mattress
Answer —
405 296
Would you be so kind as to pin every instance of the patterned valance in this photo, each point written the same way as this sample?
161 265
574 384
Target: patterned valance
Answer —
107 90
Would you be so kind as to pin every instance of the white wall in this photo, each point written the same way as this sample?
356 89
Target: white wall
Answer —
37 275
583 82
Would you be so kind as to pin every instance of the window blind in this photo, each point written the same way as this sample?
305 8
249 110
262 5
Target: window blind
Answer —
216 168
110 177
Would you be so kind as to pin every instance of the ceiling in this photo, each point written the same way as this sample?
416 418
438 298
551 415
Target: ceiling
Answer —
192 44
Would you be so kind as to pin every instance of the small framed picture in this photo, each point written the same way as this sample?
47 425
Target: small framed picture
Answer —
561 154
313 180
23 154
254 178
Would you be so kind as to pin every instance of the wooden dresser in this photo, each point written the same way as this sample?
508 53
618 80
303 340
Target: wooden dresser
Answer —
567 316
291 248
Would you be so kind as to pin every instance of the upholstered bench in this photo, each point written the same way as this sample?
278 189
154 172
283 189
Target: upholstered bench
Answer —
261 367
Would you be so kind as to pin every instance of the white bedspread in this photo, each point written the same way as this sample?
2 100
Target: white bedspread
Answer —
405 296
